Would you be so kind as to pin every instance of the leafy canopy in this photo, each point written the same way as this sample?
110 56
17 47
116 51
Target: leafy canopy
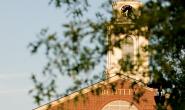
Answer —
83 45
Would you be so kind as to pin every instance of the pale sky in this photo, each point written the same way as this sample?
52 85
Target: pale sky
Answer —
20 21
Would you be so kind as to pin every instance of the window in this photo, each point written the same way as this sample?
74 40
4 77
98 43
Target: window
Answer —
128 47
119 105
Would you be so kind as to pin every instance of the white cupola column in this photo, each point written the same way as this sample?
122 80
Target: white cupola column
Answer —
131 46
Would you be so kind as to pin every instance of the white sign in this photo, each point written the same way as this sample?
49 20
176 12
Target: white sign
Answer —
117 92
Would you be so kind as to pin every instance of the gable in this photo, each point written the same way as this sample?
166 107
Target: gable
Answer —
96 96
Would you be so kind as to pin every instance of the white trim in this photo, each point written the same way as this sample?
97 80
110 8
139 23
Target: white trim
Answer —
86 90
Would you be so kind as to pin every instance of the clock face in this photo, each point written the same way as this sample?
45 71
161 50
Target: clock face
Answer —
125 9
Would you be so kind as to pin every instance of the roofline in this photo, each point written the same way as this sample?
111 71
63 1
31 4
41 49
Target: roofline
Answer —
88 89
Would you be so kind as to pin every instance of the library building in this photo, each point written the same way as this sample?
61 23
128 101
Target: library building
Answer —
120 90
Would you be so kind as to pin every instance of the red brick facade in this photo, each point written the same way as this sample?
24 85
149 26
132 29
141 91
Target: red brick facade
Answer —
97 98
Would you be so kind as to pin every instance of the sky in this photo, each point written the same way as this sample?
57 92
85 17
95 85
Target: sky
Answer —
20 22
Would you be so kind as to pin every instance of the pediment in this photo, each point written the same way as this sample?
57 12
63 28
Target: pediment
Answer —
97 95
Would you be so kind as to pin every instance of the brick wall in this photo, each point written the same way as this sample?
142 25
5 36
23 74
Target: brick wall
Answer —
119 90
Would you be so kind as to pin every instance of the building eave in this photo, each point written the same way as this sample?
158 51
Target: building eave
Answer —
88 89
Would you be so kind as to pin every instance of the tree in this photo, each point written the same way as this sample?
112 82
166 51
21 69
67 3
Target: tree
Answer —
69 54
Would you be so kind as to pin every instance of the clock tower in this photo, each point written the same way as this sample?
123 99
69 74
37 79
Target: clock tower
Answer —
126 61
127 55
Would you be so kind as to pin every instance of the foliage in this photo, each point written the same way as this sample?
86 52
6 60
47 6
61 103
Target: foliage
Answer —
166 26
83 45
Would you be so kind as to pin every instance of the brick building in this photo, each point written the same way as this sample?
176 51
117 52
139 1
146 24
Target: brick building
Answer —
123 91
114 93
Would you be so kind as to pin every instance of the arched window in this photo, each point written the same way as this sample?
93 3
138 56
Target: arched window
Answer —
128 47
119 105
